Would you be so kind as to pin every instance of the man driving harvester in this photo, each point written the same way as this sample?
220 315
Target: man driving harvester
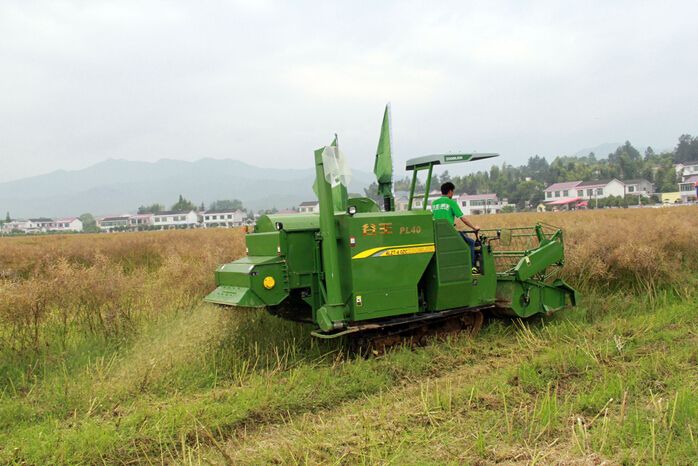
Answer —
445 207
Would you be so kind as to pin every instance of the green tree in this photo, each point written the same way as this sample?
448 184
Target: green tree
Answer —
528 194
649 153
628 160
227 204
151 209
183 205
687 149
88 223
8 219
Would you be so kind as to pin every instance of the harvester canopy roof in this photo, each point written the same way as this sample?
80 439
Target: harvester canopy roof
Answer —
442 159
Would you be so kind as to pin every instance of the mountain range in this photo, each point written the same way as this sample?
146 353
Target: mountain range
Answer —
120 186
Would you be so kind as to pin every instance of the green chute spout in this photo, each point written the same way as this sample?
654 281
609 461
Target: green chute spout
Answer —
383 166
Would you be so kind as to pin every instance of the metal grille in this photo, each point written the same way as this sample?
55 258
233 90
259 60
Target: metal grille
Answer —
523 239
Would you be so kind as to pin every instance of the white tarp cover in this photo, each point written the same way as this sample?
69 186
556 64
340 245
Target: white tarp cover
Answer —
336 169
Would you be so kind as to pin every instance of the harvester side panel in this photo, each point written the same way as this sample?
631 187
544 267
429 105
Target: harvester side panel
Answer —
266 244
390 254
449 282
300 256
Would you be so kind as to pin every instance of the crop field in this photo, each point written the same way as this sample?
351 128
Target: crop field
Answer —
108 355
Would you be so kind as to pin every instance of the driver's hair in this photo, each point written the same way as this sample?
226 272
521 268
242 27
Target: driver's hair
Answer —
446 187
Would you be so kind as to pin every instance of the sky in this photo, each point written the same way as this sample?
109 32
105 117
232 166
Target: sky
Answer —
267 82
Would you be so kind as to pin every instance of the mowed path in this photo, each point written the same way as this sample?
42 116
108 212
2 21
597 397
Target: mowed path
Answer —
564 392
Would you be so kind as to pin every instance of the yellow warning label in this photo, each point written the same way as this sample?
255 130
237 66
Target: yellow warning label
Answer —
401 250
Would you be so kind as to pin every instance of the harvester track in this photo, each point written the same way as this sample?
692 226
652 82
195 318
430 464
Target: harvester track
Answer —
375 339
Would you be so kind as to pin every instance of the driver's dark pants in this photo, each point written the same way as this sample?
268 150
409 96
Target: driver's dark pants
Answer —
471 245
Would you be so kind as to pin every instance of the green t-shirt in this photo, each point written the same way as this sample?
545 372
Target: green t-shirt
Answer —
445 207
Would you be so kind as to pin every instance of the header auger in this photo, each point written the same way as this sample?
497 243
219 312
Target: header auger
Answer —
354 269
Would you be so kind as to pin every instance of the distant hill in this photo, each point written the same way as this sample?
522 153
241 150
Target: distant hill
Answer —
120 186
601 151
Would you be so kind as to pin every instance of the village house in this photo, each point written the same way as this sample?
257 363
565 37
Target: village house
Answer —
172 219
67 224
223 218
16 225
309 207
686 170
588 190
639 187
43 225
39 225
477 204
140 221
561 190
688 188
471 204
599 189
418 200
401 202
118 222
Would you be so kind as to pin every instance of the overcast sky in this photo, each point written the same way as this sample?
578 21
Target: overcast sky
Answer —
267 82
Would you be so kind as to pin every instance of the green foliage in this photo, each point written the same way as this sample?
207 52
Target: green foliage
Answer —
227 204
687 149
8 219
183 205
89 224
152 209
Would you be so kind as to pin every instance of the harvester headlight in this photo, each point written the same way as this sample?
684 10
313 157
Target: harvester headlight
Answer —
351 210
269 282
279 226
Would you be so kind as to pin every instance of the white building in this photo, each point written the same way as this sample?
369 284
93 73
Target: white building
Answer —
224 218
140 221
176 219
561 190
16 225
686 169
688 187
470 204
116 222
477 204
39 225
309 207
418 200
599 189
401 202
639 187
67 224
587 190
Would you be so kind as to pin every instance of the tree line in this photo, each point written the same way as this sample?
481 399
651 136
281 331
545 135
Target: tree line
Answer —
524 185
185 205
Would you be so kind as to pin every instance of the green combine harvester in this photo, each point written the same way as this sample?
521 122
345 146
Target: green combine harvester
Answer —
379 274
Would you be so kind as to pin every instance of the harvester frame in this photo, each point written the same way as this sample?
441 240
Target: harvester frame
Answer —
354 269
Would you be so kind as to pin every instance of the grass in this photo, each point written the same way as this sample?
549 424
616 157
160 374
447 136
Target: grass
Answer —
171 380
621 388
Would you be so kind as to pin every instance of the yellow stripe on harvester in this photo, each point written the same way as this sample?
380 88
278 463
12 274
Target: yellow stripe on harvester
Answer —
402 250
